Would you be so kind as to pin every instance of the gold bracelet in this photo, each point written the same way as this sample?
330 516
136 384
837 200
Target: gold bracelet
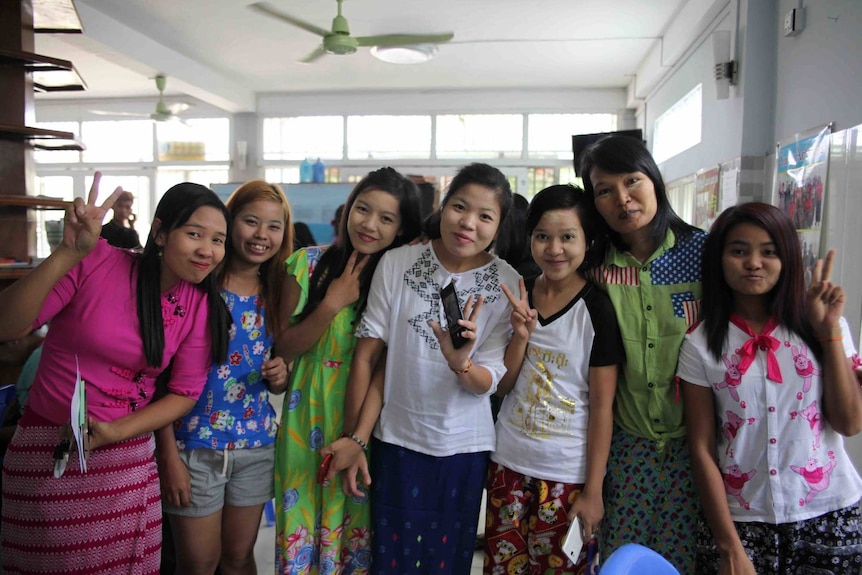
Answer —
465 370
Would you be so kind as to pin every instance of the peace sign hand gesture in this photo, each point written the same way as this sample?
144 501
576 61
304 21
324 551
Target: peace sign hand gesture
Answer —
344 290
83 222
825 301
523 316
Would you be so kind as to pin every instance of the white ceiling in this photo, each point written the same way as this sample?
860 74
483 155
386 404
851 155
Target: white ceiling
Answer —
225 54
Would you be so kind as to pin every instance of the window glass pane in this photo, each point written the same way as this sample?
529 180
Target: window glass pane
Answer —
195 140
168 177
388 137
282 175
678 129
567 176
539 179
46 157
118 141
303 137
550 135
480 136
62 187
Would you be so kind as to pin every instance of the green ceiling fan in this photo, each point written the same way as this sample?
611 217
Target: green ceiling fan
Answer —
339 41
163 112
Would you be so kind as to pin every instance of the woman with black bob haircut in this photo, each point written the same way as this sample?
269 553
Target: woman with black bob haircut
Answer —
651 272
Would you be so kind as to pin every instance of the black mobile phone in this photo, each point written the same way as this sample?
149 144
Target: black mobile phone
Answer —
452 309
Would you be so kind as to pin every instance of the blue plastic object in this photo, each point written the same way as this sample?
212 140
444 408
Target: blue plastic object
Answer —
269 512
306 171
318 172
634 559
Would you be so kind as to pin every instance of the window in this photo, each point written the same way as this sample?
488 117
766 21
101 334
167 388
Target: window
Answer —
388 137
61 187
118 141
680 194
479 136
678 129
538 180
303 137
202 139
550 135
282 175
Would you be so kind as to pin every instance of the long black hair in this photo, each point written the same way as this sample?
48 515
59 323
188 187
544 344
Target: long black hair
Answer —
334 259
786 301
625 155
174 210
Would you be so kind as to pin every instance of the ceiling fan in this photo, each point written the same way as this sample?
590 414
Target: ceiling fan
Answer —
162 113
339 41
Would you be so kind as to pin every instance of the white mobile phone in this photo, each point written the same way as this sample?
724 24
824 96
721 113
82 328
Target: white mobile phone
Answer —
573 542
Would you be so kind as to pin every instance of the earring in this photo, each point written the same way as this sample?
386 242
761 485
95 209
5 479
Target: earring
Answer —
159 253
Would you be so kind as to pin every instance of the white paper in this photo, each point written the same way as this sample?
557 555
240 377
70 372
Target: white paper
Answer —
78 417
729 189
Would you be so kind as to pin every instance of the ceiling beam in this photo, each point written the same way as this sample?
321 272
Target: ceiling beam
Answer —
185 74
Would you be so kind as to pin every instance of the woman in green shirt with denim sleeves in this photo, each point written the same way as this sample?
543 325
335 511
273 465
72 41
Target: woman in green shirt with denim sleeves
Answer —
652 274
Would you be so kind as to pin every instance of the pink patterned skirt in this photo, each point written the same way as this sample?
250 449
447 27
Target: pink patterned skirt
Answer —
107 520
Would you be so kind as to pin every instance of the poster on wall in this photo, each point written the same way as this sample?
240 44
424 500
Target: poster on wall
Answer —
706 197
801 166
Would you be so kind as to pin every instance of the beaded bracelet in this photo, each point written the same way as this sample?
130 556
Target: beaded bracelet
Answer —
361 443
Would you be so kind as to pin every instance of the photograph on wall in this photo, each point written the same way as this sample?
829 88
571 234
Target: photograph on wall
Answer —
810 242
800 179
706 197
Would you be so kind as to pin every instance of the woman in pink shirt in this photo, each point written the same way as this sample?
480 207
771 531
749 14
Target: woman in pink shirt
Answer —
120 321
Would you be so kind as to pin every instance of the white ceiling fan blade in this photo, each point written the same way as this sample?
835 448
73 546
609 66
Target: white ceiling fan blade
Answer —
178 107
109 113
314 55
269 10
404 39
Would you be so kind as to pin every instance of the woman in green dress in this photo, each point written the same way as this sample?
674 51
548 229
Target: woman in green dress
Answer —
319 528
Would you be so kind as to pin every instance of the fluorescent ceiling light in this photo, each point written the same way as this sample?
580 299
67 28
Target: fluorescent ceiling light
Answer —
412 54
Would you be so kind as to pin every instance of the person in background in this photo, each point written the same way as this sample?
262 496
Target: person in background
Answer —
651 272
513 244
431 445
302 236
120 230
336 223
216 462
561 375
317 526
118 319
769 390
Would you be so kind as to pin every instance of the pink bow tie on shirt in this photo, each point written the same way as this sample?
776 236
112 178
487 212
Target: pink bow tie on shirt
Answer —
763 341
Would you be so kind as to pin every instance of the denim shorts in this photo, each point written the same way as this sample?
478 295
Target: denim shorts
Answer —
235 477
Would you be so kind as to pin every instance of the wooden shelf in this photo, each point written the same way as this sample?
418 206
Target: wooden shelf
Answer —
14 273
49 74
34 202
66 140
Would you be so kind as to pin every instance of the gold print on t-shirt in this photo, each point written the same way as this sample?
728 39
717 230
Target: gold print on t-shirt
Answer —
543 411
